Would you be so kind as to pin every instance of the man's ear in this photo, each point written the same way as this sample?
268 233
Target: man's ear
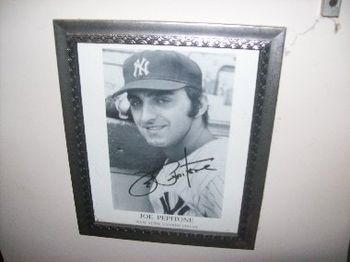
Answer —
203 106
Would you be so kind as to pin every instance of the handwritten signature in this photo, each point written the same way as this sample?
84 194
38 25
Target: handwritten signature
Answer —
149 179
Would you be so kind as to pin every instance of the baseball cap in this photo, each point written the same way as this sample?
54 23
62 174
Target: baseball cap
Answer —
160 70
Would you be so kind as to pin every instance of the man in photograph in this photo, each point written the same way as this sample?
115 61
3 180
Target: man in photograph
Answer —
170 110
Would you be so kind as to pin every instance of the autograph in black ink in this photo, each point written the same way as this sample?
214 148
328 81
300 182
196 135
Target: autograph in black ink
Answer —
149 179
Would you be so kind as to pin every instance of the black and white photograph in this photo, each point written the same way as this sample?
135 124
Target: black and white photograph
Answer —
167 120
173 124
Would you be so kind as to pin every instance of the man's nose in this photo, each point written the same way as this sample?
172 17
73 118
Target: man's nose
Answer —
148 113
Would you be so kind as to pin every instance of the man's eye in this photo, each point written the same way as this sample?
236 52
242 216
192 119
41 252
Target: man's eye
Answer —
162 100
134 102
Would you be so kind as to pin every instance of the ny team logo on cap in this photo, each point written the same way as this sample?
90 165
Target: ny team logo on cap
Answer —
141 67
160 70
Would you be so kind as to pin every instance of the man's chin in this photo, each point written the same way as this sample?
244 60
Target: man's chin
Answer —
156 143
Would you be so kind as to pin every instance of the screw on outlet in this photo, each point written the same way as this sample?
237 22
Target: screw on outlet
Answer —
333 3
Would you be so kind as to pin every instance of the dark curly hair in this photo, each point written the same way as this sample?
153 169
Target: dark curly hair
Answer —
195 94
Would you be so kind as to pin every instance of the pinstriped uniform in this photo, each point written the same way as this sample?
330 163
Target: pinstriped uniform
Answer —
195 188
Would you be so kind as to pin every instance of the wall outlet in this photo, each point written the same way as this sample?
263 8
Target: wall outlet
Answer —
330 8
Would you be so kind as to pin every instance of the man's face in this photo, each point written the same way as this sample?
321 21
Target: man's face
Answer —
161 116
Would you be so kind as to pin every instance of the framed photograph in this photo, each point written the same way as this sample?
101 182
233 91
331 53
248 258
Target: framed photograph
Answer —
168 127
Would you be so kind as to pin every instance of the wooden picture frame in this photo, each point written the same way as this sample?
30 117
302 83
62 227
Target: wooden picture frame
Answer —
240 75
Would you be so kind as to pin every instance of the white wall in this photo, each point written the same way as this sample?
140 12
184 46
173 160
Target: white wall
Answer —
306 207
